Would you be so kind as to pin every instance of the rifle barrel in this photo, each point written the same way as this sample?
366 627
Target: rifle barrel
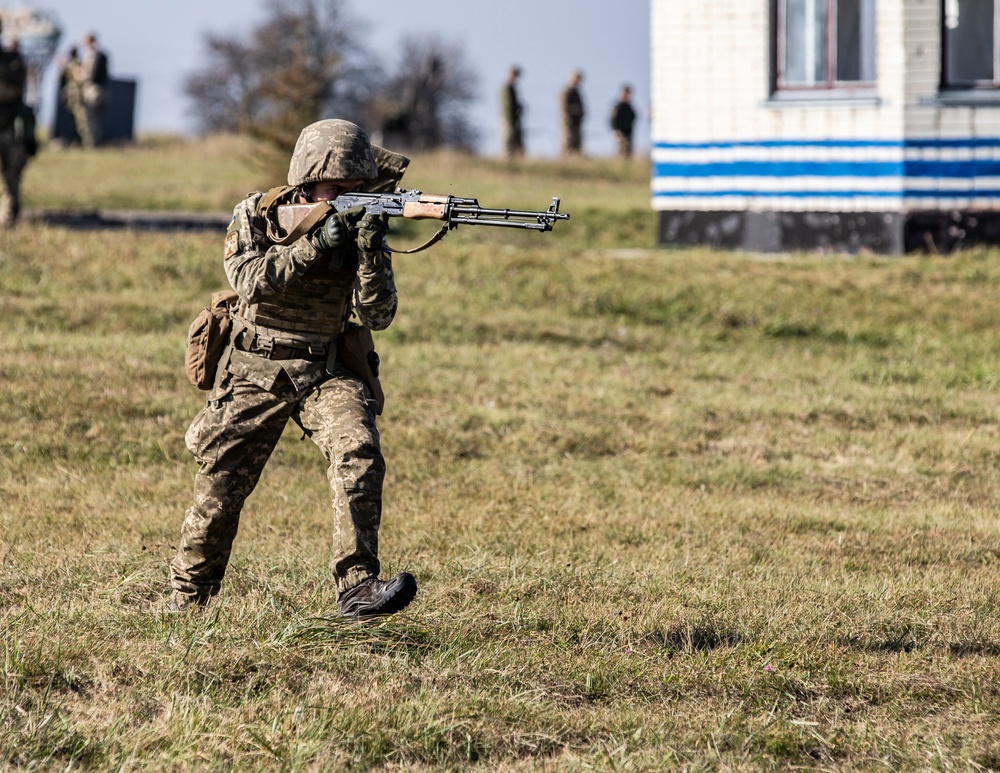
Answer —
532 226
507 213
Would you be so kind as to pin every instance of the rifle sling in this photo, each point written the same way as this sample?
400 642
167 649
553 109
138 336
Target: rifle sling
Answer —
429 243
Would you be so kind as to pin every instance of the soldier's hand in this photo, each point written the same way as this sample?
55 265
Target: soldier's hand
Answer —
338 229
371 235
330 234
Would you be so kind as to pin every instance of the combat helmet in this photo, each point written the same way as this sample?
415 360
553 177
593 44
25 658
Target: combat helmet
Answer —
331 150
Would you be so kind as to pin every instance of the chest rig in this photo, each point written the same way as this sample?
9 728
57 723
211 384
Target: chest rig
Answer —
311 312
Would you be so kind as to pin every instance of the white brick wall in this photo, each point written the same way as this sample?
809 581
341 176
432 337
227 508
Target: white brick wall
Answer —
711 80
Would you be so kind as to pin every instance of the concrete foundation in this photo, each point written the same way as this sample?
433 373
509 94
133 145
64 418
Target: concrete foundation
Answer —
890 233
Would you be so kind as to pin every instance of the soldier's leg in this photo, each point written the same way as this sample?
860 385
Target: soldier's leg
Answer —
13 159
232 439
340 419
79 112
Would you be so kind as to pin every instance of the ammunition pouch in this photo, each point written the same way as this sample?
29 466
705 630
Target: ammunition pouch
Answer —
207 338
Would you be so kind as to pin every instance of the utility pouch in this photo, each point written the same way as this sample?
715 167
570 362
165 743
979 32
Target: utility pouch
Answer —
357 351
207 338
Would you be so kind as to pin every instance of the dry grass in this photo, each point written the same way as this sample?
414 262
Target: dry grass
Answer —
686 510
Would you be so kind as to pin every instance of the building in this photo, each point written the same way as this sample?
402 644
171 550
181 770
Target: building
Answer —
838 124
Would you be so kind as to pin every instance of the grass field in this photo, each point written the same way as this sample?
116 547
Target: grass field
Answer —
669 509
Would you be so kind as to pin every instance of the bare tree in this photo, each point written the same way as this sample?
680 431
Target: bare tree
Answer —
304 62
427 99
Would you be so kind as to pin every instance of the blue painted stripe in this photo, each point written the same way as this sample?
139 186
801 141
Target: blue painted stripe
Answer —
779 169
779 144
916 168
954 142
825 194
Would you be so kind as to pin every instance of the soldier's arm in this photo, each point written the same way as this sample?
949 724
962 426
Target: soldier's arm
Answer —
375 298
256 270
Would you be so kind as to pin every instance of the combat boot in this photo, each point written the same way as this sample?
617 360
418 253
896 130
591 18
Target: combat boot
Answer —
378 597
182 602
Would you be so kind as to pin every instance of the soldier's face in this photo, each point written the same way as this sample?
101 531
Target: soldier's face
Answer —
328 190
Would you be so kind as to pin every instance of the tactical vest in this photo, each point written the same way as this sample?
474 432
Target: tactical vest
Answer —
312 310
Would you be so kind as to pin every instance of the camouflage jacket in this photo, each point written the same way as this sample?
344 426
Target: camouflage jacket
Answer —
295 295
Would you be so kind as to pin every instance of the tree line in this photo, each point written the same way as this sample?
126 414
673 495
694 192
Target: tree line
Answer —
308 59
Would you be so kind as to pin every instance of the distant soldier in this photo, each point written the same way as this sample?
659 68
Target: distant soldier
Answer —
572 113
512 110
94 81
622 120
17 131
71 94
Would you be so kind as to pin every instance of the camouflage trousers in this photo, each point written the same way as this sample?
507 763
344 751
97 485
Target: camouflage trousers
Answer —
74 103
572 138
232 439
624 144
513 140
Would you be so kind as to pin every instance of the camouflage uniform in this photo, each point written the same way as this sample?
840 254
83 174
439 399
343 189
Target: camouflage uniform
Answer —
572 113
71 91
17 133
93 93
283 364
512 111
622 120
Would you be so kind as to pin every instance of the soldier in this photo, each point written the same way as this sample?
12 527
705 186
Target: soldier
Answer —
71 93
17 131
572 113
511 111
622 120
286 360
93 90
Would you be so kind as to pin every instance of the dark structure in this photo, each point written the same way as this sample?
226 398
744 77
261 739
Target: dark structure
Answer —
121 95
880 232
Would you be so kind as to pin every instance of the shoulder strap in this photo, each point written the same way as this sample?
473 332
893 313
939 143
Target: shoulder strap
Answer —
265 211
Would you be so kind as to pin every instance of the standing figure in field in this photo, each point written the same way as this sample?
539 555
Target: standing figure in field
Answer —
512 111
71 93
622 120
17 131
93 91
572 116
306 308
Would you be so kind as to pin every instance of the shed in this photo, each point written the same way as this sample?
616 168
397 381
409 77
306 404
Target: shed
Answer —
839 124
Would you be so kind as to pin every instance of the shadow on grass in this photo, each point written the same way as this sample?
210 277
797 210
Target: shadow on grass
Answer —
909 639
964 649
895 643
697 638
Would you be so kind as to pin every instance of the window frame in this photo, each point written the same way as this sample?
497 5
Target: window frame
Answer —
828 87
981 86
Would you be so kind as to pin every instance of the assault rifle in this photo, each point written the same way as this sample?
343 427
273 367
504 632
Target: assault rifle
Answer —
295 219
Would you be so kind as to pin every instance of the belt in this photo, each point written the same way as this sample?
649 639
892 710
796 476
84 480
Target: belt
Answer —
273 351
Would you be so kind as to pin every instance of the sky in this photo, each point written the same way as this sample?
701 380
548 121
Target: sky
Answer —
157 43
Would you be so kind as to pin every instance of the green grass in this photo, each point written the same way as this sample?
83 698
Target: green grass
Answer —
669 509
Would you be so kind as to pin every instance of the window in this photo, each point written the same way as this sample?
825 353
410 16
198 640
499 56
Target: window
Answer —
825 44
969 43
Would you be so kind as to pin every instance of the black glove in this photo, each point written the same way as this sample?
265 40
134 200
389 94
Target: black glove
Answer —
330 234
